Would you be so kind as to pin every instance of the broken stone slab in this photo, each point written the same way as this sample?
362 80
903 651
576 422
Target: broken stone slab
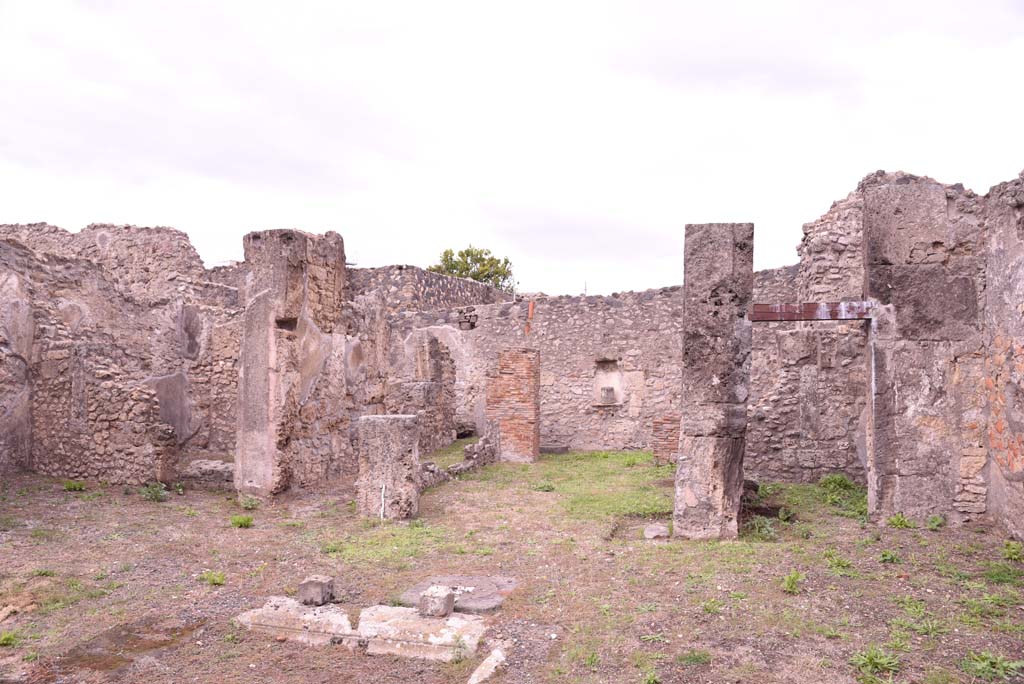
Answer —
392 630
437 601
656 531
488 667
473 593
316 590
316 626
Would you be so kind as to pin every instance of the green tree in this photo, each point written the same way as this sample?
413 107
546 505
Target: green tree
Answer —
479 264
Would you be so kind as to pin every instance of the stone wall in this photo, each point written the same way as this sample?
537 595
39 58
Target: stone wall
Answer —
1003 383
809 380
630 342
408 288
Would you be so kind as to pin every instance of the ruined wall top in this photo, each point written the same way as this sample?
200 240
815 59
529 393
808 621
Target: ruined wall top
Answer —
409 288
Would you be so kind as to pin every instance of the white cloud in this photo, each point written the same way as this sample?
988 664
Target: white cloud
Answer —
575 137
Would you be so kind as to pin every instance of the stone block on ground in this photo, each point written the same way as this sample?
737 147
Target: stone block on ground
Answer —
437 601
391 630
389 467
656 531
313 625
486 669
316 590
473 593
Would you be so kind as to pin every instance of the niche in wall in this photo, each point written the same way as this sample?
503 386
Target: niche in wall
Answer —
607 383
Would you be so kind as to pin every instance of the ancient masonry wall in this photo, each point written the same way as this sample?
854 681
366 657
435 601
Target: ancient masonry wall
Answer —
809 379
665 439
609 365
408 288
1003 381
127 373
925 265
513 404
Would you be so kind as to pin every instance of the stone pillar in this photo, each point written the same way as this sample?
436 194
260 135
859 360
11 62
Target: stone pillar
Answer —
719 279
665 441
292 329
924 266
389 466
513 404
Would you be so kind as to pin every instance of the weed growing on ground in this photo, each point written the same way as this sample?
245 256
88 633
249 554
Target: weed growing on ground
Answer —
935 522
1013 551
544 487
838 565
10 639
875 660
241 521
1002 573
212 577
651 677
791 582
249 503
712 606
889 556
154 491
43 572
900 522
74 486
990 666
390 543
760 528
848 498
693 657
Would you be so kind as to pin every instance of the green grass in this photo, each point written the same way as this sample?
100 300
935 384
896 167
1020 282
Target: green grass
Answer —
451 454
74 486
900 522
1003 573
154 491
791 582
1013 551
241 521
591 485
249 503
389 543
935 522
212 577
875 660
10 638
889 556
693 657
990 666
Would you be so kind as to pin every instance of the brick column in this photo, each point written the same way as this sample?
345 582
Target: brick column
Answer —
719 281
389 466
513 404
665 442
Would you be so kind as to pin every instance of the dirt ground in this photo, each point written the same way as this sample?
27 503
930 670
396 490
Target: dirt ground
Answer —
109 586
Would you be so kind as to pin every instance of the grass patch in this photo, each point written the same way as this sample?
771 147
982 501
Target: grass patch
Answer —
154 491
388 543
990 666
875 660
935 522
791 582
451 454
900 522
1013 551
693 657
241 521
1002 573
213 578
249 503
10 638
74 486
591 485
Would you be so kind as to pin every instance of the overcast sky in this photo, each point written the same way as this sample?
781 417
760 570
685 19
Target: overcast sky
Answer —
577 138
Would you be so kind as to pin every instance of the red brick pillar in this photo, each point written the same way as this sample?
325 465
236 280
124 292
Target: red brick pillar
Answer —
665 443
513 405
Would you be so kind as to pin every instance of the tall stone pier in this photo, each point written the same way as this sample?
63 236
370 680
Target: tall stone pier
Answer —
389 466
718 284
513 404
